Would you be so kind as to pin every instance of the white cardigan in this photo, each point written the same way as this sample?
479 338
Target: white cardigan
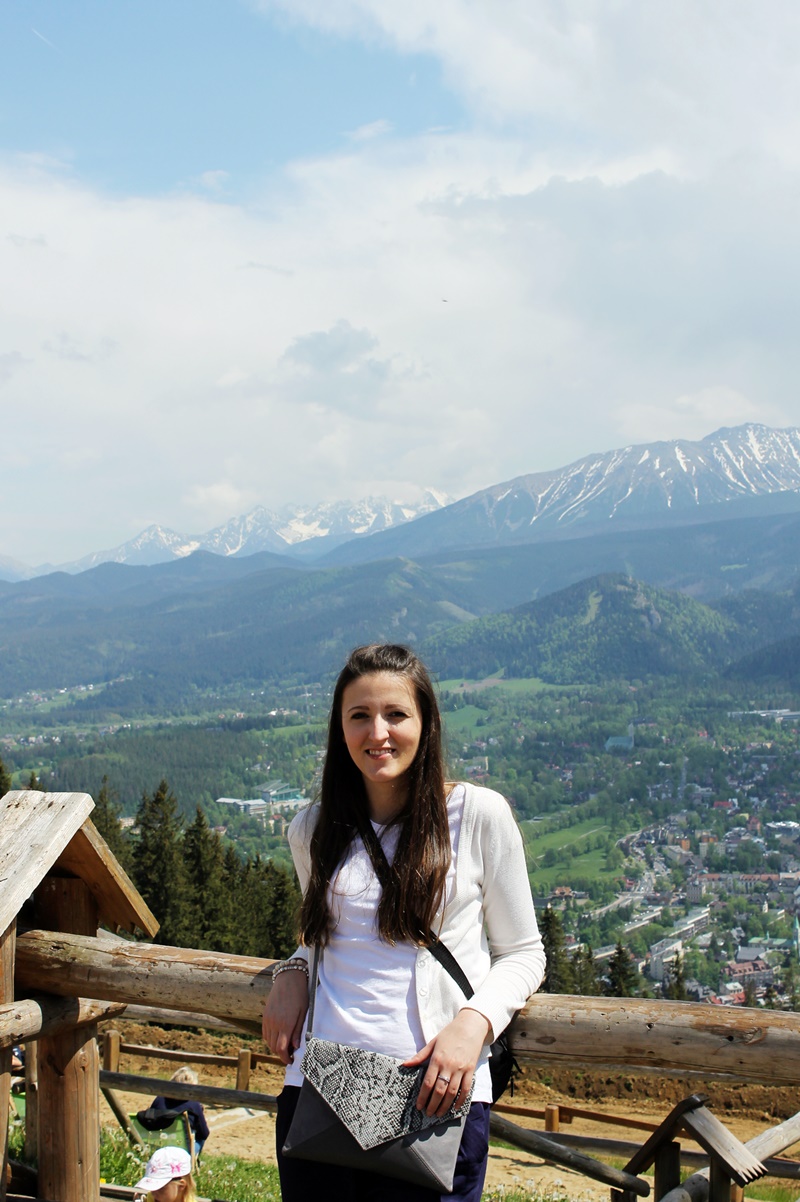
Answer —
491 897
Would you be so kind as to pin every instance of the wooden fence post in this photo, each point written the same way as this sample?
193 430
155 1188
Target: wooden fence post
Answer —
667 1169
69 1068
7 943
111 1042
32 1100
111 1050
243 1069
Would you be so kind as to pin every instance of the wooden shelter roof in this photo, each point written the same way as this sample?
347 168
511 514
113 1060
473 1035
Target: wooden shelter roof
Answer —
42 831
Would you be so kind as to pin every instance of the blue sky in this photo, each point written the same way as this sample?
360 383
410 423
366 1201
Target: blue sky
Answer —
271 251
147 96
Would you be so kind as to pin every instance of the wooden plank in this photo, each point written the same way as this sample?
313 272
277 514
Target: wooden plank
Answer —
642 1160
541 1145
7 945
776 1139
34 830
212 1095
119 903
766 1145
69 1105
45 1015
737 1159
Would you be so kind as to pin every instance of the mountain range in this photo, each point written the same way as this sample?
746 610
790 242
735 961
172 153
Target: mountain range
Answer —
292 529
552 577
734 472
742 471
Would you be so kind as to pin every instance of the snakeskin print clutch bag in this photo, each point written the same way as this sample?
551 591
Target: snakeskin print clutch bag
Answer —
372 1094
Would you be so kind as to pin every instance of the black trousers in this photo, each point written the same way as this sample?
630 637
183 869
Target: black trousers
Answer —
302 1180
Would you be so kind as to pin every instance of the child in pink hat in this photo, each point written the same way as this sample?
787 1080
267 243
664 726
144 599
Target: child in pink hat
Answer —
168 1177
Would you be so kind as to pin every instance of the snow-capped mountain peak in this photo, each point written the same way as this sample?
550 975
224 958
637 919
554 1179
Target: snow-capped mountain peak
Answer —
264 530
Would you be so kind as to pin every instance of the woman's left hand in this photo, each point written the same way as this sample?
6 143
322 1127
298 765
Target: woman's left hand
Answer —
452 1057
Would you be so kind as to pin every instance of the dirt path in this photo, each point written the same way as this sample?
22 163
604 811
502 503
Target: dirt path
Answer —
745 1110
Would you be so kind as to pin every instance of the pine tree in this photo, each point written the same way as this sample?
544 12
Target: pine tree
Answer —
750 998
158 866
5 780
558 976
105 816
284 898
210 900
270 900
33 782
584 972
622 976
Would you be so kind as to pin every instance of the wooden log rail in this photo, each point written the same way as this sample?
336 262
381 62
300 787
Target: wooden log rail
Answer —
556 1113
34 1017
148 1052
542 1145
633 1033
210 1095
176 1018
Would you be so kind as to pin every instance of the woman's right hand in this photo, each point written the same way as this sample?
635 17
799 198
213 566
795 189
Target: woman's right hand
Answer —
284 1014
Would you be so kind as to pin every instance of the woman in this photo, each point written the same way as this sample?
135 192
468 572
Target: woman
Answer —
456 866
168 1177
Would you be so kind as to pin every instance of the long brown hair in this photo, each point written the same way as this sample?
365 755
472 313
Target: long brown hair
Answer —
413 886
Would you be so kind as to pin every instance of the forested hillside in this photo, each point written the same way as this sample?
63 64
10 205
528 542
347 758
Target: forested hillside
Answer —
607 628
167 639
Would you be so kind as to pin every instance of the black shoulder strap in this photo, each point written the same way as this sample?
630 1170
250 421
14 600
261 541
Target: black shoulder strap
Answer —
374 848
438 949
448 961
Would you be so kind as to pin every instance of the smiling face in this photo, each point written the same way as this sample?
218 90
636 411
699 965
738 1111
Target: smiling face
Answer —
382 725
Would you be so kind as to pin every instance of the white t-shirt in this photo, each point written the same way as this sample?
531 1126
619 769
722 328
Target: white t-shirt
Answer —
367 995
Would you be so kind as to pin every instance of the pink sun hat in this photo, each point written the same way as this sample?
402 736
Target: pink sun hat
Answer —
164 1166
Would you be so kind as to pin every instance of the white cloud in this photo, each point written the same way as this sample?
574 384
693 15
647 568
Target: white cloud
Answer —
10 364
374 129
691 416
220 496
341 348
435 311
618 262
705 77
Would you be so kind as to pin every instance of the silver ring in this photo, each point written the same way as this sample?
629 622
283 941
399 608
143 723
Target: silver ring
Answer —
443 1078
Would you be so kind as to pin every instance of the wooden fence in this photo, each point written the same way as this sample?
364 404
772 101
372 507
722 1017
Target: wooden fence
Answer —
99 977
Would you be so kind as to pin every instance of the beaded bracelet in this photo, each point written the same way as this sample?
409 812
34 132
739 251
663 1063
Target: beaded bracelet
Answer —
296 963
